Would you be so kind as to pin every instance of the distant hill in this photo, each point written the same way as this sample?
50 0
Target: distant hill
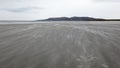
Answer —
73 19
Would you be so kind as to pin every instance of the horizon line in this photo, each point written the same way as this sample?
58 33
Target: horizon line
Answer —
58 17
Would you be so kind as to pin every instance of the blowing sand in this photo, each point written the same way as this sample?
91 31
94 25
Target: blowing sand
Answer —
60 45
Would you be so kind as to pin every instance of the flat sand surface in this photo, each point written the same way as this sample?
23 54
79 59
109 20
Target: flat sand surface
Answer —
60 45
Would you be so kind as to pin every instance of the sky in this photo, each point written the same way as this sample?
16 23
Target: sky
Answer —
42 9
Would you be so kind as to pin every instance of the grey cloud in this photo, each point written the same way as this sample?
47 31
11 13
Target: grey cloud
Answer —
18 10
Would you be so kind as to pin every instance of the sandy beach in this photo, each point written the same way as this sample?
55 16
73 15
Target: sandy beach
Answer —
60 45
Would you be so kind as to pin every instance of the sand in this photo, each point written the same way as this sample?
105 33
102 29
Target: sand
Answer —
60 45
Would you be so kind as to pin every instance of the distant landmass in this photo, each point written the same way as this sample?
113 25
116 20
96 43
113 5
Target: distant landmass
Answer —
78 19
72 19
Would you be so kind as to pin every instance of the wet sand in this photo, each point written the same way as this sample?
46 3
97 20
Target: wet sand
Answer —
60 45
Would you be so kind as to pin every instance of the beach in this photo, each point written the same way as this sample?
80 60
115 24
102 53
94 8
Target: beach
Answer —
60 45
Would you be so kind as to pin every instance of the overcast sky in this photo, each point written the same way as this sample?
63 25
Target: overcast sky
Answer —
40 9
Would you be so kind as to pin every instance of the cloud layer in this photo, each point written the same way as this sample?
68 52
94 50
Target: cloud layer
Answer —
19 10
